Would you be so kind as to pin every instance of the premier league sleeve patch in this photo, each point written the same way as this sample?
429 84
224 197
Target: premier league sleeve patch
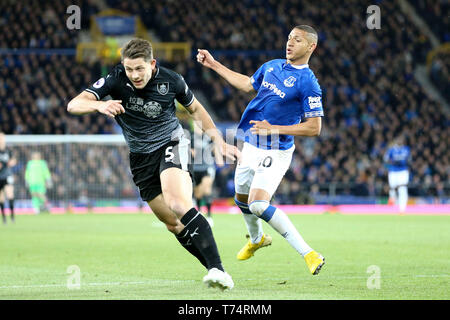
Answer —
100 82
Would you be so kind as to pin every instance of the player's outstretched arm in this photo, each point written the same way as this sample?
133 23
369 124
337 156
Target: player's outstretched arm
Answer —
237 80
310 128
201 116
86 102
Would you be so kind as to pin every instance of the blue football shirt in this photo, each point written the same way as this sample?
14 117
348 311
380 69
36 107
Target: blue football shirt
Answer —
286 94
396 158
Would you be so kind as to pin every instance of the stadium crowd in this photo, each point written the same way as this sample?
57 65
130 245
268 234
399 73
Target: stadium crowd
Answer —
437 16
440 73
369 92
41 24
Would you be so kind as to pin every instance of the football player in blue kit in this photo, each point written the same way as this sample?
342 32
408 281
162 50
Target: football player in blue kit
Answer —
288 103
397 159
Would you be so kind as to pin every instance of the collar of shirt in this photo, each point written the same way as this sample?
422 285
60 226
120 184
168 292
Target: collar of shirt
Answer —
301 66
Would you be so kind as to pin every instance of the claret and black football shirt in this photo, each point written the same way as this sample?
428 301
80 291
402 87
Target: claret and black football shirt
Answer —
5 171
149 121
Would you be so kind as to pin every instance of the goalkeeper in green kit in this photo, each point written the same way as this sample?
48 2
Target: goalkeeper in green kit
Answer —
38 179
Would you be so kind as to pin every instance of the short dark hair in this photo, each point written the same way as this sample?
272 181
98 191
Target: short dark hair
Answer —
312 34
137 48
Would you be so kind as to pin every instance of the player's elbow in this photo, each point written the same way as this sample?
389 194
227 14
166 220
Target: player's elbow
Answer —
71 106
248 89
247 86
74 106
316 132
315 127
312 133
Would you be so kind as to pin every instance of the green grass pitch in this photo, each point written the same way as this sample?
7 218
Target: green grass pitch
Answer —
133 256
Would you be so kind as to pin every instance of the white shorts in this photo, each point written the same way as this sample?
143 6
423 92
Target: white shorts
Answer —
261 169
398 178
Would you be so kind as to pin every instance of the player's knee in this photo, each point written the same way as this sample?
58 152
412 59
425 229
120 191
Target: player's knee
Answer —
257 207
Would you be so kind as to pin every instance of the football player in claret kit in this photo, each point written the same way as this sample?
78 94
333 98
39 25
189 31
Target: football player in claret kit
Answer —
143 104
7 161
397 158
288 103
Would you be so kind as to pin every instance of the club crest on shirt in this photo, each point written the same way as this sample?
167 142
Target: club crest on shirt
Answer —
289 82
163 88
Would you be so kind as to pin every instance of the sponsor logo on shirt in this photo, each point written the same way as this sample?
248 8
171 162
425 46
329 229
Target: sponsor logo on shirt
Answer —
315 102
151 109
273 88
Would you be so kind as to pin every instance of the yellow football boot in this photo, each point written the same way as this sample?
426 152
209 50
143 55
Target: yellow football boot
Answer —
249 249
314 261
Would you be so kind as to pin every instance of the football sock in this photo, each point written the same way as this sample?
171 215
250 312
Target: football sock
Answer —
42 204
198 231
393 194
11 207
402 198
283 225
184 239
36 204
254 225
208 202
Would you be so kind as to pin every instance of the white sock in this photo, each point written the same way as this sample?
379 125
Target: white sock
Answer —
254 227
402 198
283 225
253 223
393 194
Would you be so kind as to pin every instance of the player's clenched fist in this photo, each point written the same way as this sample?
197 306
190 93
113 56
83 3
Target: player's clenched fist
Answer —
205 58
111 108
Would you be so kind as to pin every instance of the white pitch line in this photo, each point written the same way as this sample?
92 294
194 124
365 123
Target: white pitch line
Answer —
97 284
191 281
